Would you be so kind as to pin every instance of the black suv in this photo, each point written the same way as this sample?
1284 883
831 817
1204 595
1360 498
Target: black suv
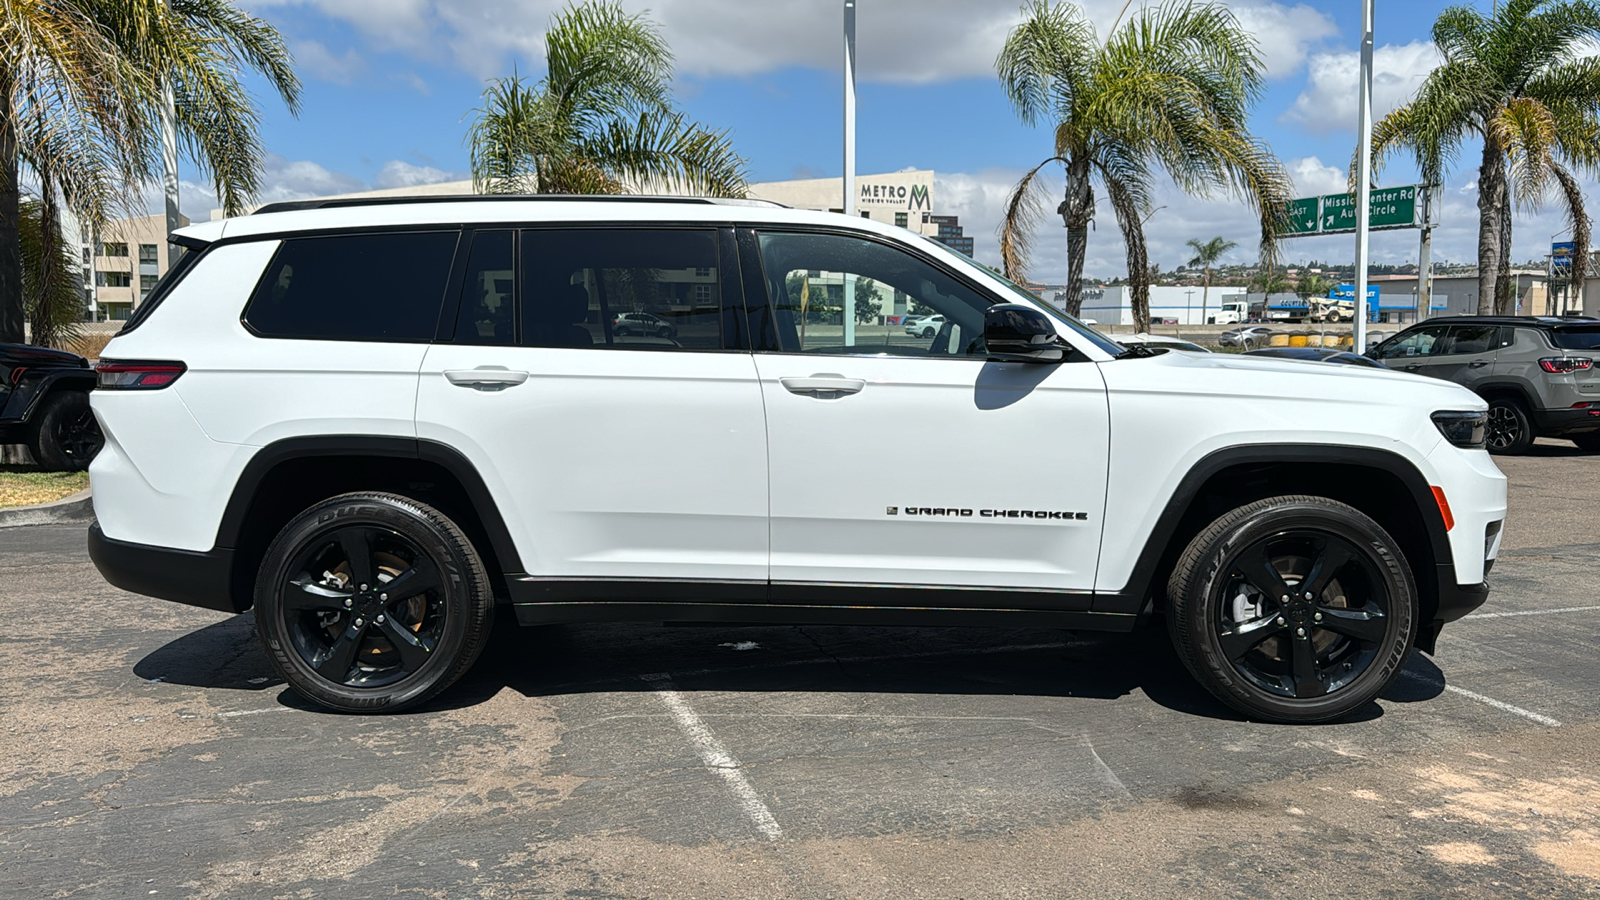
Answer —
44 403
1538 373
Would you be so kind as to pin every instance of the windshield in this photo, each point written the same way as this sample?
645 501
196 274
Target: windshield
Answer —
1089 334
1583 337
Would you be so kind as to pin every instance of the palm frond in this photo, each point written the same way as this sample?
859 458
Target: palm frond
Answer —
1046 58
1024 207
668 152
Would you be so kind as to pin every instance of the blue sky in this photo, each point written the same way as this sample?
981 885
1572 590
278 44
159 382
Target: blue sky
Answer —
390 84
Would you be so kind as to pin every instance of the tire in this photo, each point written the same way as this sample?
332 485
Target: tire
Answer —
928 332
1510 431
1348 653
377 655
664 332
65 436
1589 442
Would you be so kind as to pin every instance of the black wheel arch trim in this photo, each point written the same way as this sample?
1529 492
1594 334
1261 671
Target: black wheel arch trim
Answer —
1135 596
447 458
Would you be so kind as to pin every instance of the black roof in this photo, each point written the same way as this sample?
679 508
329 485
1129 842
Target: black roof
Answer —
337 202
1525 321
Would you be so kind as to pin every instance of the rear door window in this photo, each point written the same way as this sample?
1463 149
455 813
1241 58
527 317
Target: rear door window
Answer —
487 314
1469 339
362 287
623 289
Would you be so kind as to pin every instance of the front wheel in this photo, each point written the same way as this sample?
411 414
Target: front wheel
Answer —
1293 609
372 602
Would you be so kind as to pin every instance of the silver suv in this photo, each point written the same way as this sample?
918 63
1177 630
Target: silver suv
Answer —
1539 374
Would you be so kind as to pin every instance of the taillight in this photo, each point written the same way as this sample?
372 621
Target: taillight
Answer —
1591 405
1562 365
127 375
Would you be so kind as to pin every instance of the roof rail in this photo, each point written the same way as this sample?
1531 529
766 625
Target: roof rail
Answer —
341 202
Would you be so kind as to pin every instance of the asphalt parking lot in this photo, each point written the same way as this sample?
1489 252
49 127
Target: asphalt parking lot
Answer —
151 751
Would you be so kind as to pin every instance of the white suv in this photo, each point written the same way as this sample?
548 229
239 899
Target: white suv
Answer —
373 423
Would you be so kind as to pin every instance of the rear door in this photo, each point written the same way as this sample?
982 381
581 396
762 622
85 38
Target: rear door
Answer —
909 460
613 458
1468 355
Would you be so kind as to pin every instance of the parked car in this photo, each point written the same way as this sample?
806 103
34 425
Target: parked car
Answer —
1317 354
1159 342
643 323
924 326
1244 336
299 426
1539 374
44 403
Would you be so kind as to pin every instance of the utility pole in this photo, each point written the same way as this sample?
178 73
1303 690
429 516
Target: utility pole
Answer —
1363 177
169 161
849 205
1425 254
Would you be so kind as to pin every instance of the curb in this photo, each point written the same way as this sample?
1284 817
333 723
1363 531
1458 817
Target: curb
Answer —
77 508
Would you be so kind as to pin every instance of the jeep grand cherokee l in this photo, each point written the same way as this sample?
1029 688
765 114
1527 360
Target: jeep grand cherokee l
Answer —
333 416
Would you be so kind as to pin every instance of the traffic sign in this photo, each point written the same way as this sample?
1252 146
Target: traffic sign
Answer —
1335 213
1303 216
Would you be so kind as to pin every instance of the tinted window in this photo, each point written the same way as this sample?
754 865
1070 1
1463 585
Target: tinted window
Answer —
487 315
634 289
1418 343
902 305
369 287
1583 337
1465 339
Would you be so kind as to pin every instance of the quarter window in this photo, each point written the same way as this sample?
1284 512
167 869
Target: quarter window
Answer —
368 287
628 289
816 282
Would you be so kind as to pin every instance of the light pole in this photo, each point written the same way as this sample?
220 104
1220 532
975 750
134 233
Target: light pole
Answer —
849 204
1188 307
169 160
1363 176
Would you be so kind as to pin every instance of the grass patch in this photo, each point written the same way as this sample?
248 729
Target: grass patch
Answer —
25 486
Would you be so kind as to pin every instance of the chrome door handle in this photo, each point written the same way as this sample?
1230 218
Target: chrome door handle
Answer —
823 386
486 378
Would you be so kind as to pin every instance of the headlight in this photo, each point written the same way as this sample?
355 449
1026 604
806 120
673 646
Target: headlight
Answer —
1464 429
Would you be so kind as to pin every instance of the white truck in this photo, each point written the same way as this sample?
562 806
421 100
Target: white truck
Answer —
1232 312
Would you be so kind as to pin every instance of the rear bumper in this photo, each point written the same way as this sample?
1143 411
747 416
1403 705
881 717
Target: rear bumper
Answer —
182 576
1558 422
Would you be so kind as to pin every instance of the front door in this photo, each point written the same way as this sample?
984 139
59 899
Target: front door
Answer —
909 459
614 458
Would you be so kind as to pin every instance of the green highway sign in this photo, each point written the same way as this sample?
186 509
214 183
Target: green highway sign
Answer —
1303 216
1334 213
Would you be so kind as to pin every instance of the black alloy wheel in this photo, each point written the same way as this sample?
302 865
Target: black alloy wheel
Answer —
928 332
1293 609
66 436
372 602
1509 429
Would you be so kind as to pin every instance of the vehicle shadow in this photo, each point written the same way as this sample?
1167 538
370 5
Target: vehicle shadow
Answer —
565 660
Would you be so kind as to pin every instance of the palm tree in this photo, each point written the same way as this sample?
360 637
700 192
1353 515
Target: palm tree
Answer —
82 95
1172 89
601 120
1206 255
1534 167
50 280
1513 77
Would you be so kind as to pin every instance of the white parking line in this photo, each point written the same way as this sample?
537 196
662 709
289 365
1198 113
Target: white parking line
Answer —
1532 612
1488 701
715 756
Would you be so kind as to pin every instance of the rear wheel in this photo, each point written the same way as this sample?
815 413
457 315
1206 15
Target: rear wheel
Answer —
372 602
65 435
1510 430
1589 442
1293 609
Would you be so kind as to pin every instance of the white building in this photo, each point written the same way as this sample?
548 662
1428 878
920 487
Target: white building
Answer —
1172 305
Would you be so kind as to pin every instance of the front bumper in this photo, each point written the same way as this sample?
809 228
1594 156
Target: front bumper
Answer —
182 576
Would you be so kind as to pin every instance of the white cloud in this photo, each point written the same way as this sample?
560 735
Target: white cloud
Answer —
1312 177
315 58
902 41
399 174
1329 102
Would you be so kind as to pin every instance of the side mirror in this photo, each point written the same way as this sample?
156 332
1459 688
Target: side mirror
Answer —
1013 332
